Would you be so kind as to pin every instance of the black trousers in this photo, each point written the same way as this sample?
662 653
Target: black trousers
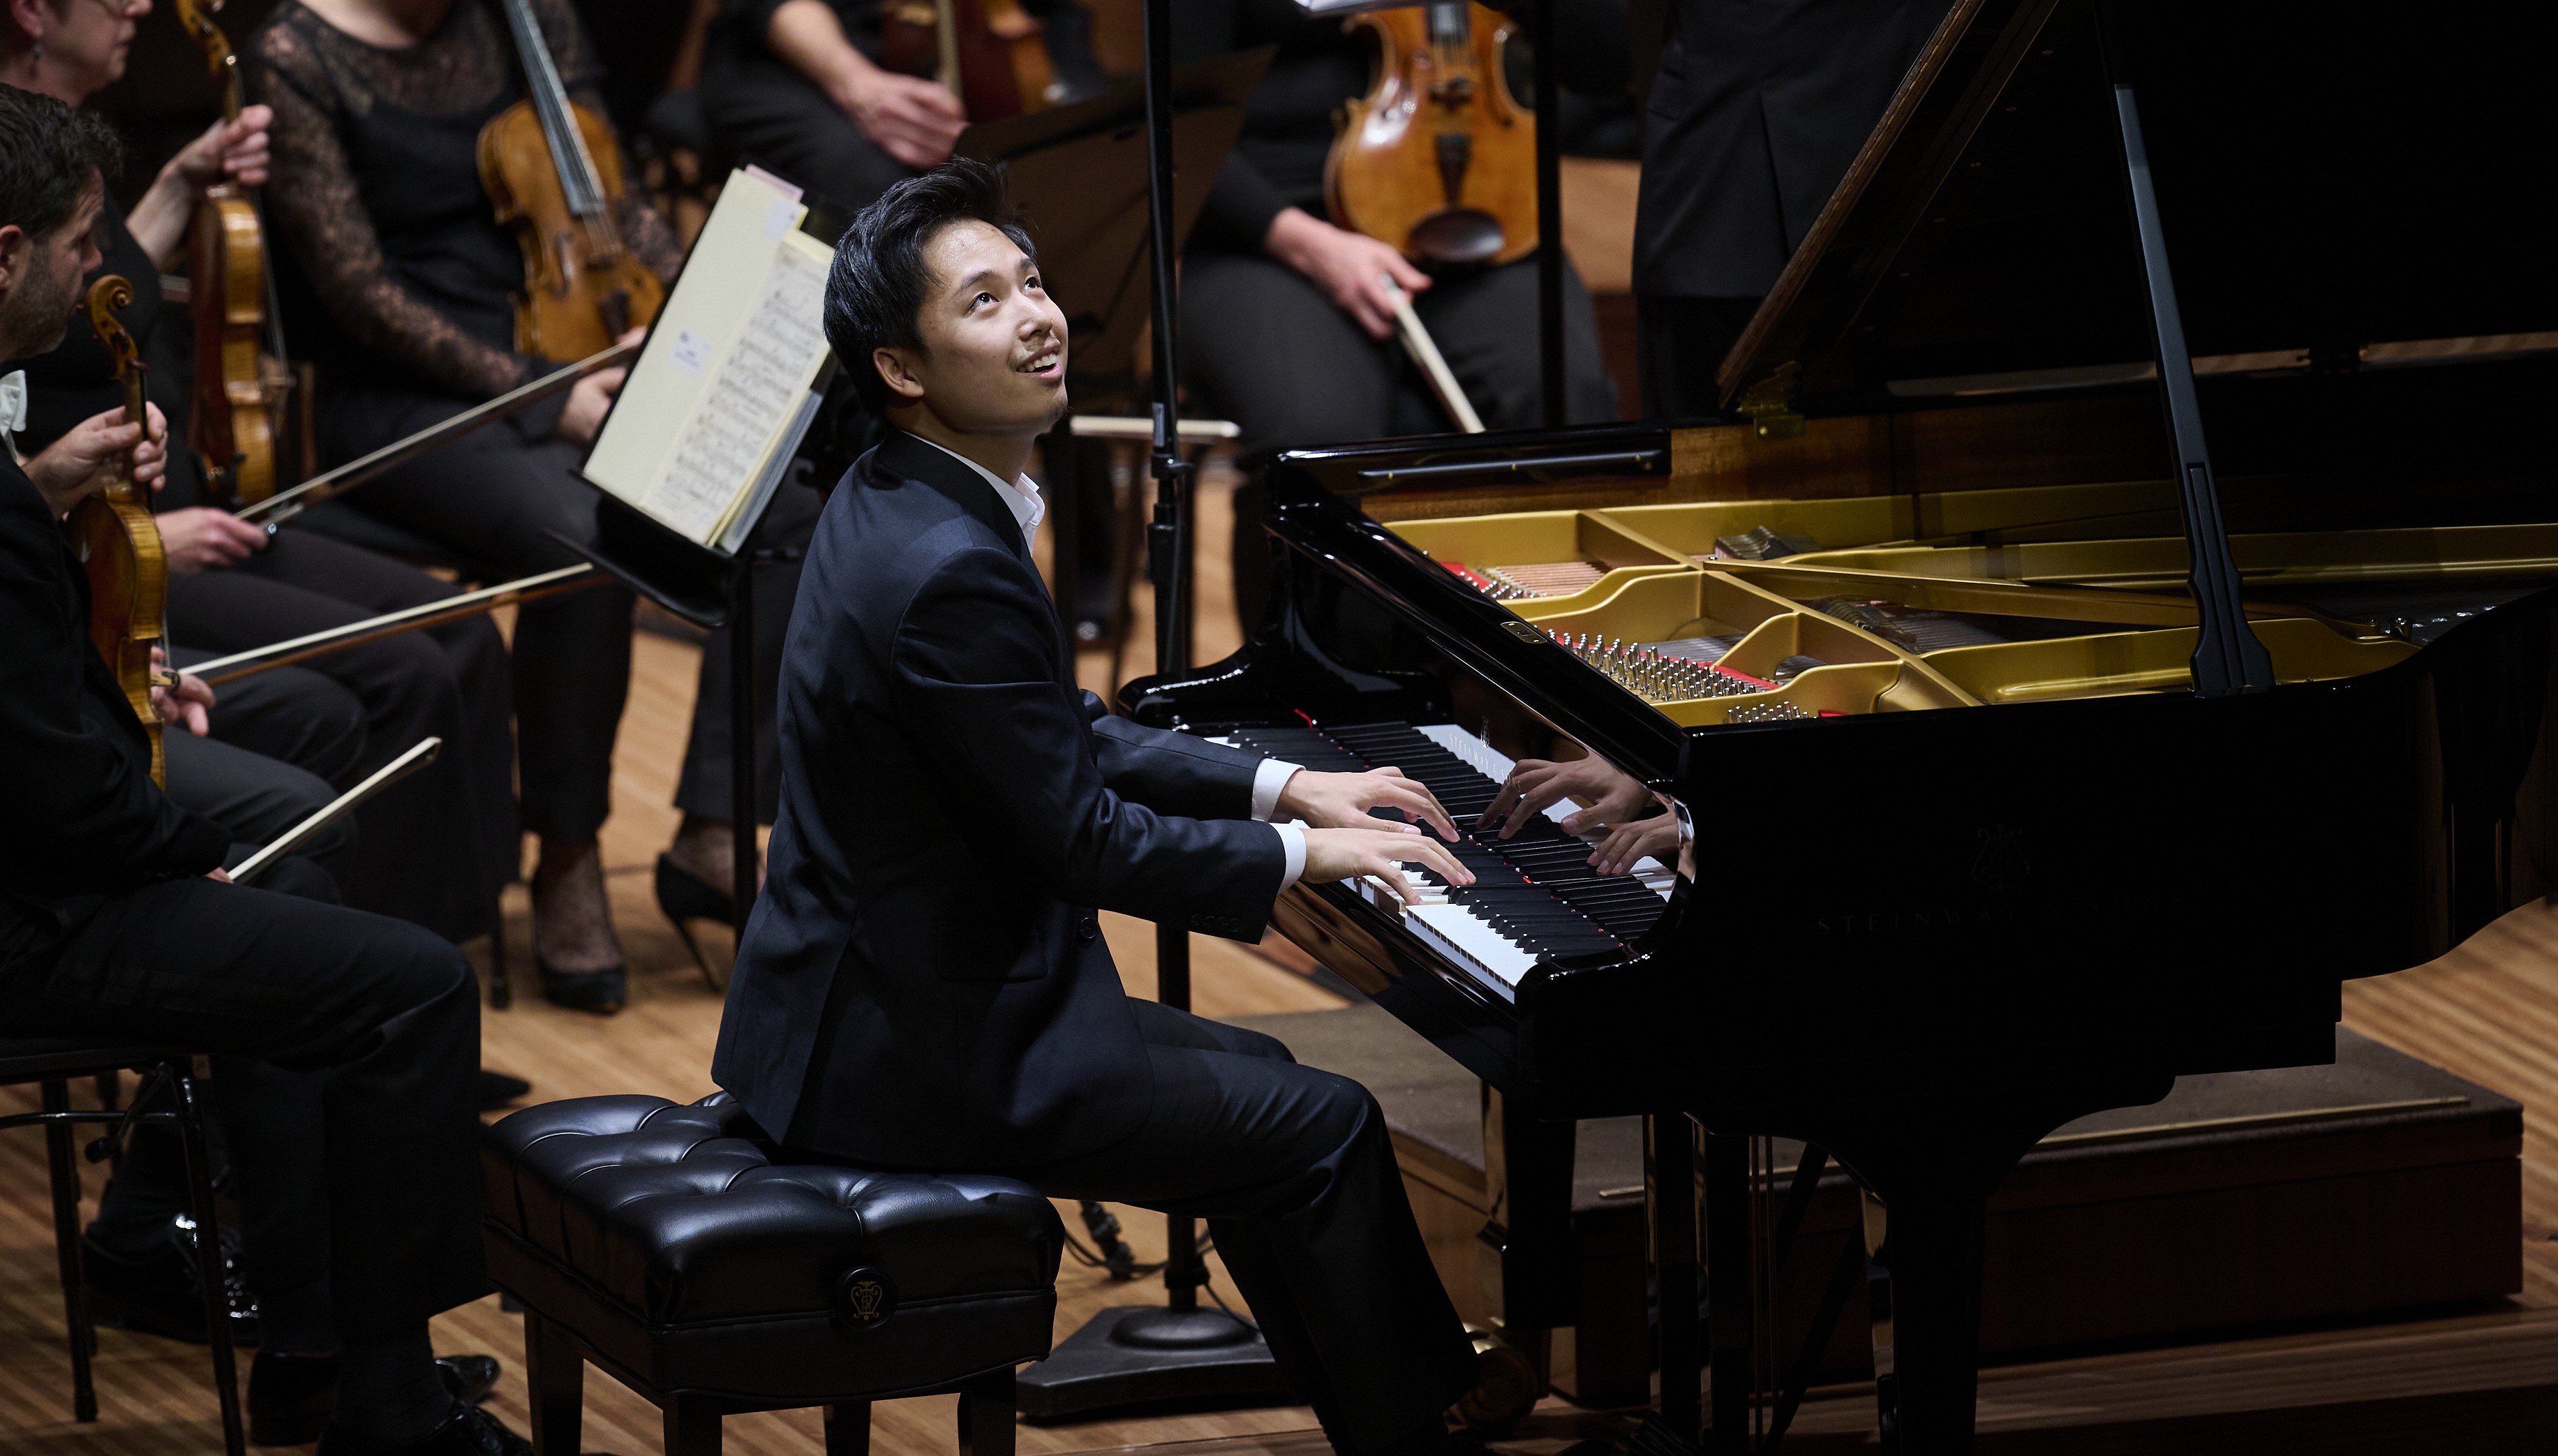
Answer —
761 111
254 797
436 849
1263 347
493 499
1680 343
384 1014
1294 1172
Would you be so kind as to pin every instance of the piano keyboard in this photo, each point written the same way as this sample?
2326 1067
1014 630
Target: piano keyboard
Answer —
1535 894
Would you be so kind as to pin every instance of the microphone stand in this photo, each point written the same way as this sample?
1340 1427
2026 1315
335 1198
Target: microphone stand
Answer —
1177 1351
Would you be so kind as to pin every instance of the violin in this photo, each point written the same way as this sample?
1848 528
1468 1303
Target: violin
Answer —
1438 159
241 388
118 543
990 53
553 171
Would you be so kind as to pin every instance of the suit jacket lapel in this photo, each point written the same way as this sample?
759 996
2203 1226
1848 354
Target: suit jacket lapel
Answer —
919 460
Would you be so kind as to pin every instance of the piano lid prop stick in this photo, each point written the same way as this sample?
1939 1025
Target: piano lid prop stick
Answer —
400 452
1425 352
420 755
407 618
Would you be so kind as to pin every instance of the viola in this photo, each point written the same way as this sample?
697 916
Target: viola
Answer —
990 53
1438 159
554 173
117 542
241 382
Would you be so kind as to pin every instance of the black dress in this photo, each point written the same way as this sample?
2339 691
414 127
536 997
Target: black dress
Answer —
434 850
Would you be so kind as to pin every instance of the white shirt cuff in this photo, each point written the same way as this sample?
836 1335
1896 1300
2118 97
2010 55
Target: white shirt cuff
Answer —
1267 780
1292 842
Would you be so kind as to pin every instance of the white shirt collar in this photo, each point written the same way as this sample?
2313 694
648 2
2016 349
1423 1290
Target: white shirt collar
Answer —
1021 496
13 407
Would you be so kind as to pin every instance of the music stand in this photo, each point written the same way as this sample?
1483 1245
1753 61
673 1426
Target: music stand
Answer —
1081 172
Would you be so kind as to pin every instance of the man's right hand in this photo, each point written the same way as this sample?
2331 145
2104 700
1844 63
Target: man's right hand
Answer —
1351 267
1379 854
201 538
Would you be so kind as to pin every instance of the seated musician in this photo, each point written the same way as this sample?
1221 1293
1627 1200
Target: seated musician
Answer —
116 921
924 984
1286 327
1755 114
384 221
436 851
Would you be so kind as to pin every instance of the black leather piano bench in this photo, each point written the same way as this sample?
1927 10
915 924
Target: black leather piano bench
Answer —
678 1250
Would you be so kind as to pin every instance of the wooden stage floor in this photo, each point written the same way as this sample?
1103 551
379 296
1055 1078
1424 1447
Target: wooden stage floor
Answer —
2471 1380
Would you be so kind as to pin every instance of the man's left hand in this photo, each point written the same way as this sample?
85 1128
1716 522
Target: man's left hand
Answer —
190 701
89 456
1343 801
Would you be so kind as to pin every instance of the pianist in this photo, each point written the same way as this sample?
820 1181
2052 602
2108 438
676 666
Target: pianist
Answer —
924 984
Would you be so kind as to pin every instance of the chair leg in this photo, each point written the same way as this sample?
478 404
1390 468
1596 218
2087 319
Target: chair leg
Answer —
692 1426
65 1172
848 1428
986 1415
208 1253
502 994
554 1386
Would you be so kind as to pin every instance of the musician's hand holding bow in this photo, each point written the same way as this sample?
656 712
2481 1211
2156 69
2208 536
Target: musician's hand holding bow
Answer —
187 699
1352 268
588 399
1343 801
202 538
1535 784
94 452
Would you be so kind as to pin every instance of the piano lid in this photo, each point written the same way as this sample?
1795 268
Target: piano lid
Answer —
2326 184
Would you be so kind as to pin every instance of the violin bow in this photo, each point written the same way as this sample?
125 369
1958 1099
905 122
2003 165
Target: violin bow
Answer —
281 506
420 755
390 624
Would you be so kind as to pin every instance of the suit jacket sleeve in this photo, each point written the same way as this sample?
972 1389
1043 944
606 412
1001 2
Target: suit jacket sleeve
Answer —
1171 773
83 810
975 659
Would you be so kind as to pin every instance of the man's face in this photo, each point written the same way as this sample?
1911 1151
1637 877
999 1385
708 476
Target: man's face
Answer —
40 278
993 361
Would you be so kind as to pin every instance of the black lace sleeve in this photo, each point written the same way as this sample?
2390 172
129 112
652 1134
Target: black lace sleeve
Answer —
320 213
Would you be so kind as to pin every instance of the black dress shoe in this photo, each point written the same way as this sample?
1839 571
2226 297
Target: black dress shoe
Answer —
291 1397
156 1293
686 897
469 1432
496 1090
603 993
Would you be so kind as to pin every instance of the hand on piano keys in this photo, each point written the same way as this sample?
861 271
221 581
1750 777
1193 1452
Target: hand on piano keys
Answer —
1344 801
1534 785
1634 840
1378 856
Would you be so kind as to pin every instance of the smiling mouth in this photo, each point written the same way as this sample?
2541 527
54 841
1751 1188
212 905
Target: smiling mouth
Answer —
1044 361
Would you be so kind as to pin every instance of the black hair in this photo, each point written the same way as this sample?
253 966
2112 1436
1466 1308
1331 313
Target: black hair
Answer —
48 152
876 288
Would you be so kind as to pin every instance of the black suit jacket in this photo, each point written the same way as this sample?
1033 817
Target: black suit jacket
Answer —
1758 109
84 819
923 981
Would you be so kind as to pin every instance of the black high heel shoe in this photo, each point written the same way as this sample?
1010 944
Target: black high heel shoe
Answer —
685 896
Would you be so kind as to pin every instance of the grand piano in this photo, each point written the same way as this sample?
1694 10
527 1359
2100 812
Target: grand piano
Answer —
2054 716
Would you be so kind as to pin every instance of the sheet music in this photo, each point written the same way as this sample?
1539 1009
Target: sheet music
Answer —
721 382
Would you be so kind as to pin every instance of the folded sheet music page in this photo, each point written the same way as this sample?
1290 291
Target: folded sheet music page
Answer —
721 394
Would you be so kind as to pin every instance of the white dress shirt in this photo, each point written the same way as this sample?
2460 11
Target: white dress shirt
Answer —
1022 498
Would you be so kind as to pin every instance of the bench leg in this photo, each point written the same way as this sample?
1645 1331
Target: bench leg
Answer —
848 1428
692 1426
554 1386
986 1415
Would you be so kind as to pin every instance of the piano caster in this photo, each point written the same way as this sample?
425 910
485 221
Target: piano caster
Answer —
1507 1389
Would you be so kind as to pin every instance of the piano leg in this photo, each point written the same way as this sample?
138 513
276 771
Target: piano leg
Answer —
1527 1264
1927 1346
1669 1203
1730 1264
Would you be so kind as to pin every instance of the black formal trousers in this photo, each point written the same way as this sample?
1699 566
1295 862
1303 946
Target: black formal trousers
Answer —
436 849
1263 347
385 1013
1295 1174
495 499
763 111
253 796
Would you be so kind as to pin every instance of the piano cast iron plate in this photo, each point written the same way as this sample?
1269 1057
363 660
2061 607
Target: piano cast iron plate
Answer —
2250 1197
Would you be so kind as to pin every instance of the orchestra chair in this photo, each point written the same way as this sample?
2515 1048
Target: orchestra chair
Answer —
168 1076
678 1250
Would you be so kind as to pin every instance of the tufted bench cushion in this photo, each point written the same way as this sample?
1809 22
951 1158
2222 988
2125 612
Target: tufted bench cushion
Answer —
680 1246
